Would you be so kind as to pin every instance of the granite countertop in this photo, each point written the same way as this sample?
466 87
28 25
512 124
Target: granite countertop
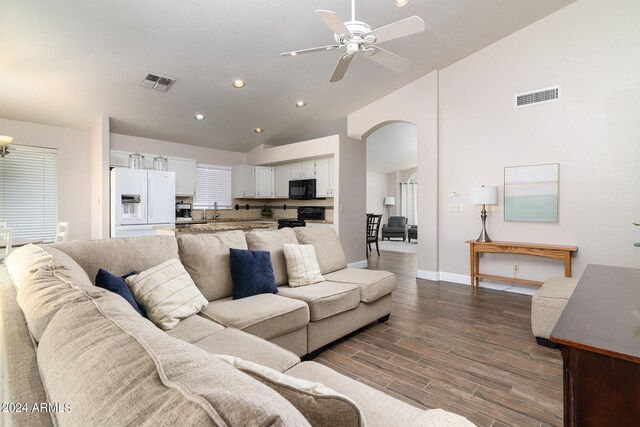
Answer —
319 221
212 227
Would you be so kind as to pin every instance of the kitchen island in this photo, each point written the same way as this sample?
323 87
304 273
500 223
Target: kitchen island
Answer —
215 226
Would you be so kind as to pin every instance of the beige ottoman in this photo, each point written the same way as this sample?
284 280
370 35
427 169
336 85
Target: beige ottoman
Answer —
547 305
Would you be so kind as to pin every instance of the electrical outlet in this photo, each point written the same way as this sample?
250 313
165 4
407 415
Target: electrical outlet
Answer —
516 268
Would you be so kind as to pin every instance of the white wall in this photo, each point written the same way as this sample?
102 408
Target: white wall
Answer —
376 192
268 155
167 148
352 190
592 49
74 169
415 103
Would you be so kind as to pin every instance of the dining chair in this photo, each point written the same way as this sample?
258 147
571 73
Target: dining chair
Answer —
63 232
373 228
5 243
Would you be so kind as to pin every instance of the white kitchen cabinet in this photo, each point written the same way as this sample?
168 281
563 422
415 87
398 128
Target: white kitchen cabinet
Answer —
264 182
324 177
282 175
244 180
185 170
303 170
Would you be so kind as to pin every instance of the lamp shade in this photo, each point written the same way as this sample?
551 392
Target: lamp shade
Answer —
389 201
5 140
484 196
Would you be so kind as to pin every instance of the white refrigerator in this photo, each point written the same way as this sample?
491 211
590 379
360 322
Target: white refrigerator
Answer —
141 200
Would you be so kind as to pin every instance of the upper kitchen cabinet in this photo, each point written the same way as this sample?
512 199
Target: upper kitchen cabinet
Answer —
303 170
282 175
324 177
264 182
185 170
244 180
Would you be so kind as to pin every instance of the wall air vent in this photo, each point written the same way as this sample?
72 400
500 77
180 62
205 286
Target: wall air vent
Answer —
536 97
155 81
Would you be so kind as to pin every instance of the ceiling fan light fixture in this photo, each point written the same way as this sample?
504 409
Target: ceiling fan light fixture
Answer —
238 84
300 104
199 117
258 130
401 3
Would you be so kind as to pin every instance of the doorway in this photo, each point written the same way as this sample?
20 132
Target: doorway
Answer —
392 184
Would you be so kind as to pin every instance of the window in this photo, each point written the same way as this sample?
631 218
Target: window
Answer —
28 192
213 184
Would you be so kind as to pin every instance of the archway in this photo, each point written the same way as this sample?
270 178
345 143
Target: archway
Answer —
391 176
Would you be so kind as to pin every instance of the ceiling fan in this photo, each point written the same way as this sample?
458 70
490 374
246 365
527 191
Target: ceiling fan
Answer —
357 36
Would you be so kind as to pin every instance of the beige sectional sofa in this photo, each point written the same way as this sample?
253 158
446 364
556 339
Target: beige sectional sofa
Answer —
93 360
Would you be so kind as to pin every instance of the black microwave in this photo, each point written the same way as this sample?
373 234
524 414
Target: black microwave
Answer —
302 189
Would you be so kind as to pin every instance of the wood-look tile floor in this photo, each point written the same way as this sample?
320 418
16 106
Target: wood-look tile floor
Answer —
446 346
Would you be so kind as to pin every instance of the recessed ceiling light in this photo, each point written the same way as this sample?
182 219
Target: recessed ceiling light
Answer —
258 130
300 104
199 117
238 84
401 3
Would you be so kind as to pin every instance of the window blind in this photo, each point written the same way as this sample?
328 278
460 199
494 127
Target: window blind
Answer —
28 192
213 184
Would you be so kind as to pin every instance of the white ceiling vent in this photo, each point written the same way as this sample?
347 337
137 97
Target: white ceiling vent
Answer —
155 81
536 97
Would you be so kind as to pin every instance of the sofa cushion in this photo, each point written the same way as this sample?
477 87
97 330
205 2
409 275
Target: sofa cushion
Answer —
251 273
24 261
265 315
163 381
234 342
69 268
326 298
327 245
373 284
302 265
272 241
380 409
120 256
206 258
194 328
116 284
19 376
43 294
319 404
167 293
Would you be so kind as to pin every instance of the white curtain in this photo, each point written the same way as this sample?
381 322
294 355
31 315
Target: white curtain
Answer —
409 207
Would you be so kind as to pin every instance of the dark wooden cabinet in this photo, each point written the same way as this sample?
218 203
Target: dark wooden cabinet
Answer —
599 331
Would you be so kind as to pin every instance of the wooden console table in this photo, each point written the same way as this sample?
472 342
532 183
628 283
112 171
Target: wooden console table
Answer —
559 252
599 332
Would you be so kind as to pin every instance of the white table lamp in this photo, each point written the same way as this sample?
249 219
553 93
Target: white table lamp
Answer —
484 196
389 201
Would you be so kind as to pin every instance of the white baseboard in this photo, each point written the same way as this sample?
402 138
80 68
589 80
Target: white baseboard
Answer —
464 279
427 275
358 264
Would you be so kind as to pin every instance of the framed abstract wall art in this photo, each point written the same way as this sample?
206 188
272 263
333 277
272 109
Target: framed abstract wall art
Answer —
531 193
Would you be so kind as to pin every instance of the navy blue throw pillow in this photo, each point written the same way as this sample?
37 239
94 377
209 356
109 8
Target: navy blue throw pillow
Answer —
251 273
117 285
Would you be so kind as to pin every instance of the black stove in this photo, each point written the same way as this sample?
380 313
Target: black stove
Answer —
290 222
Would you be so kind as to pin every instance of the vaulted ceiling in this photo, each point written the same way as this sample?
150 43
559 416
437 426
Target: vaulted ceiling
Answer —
66 62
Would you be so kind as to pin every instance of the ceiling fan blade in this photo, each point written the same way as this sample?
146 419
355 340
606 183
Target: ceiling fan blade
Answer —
313 49
388 59
405 27
332 21
341 67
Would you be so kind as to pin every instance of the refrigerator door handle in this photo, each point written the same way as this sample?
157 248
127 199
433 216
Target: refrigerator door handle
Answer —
150 197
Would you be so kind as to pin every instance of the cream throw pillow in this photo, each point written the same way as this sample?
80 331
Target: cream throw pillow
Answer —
319 404
302 265
167 293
